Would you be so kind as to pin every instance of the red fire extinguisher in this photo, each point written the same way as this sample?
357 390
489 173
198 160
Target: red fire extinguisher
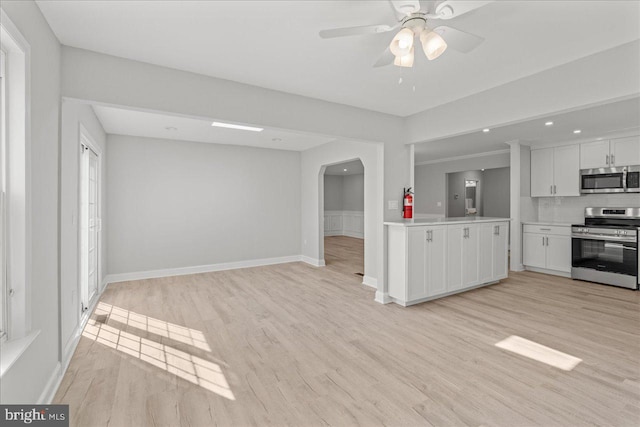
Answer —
407 205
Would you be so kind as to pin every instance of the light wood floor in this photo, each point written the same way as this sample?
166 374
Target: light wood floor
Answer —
297 345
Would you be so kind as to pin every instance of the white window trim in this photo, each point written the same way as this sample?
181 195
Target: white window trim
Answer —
18 199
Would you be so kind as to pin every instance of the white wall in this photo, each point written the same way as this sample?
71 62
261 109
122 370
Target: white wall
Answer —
75 115
430 179
312 180
574 85
31 373
174 204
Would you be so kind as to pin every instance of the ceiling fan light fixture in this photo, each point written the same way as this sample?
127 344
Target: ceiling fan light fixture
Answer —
405 60
402 43
432 44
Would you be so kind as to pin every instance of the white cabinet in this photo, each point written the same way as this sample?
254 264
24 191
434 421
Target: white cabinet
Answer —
594 155
616 152
625 151
494 241
555 171
547 248
426 262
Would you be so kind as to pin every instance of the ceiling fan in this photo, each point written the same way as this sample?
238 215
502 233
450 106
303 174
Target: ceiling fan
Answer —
415 21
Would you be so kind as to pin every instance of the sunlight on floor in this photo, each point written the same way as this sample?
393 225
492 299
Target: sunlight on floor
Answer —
155 326
196 370
539 352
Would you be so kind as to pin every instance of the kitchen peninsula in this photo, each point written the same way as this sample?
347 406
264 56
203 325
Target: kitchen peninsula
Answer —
436 257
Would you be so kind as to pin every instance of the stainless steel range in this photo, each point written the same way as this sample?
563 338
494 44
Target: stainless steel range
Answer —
605 248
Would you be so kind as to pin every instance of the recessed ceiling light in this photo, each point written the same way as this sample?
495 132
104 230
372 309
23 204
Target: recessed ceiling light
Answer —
577 131
345 170
240 127
548 124
171 128
482 170
486 130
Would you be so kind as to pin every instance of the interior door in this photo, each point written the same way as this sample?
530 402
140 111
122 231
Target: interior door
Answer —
89 226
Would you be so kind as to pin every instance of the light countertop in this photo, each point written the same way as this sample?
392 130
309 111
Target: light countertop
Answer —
442 221
548 223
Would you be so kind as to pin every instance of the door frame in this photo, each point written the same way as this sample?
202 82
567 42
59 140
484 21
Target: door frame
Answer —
85 138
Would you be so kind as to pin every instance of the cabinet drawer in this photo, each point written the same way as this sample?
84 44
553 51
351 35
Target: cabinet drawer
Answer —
556 230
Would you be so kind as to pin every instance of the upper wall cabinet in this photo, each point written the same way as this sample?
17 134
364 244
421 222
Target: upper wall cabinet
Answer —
555 171
606 154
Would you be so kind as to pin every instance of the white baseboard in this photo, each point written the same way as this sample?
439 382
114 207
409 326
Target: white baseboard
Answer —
353 234
50 389
181 271
383 297
316 262
370 281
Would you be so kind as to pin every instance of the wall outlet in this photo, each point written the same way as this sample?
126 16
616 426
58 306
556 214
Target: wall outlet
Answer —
393 205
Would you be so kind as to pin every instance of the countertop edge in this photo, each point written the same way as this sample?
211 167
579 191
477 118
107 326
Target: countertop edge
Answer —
427 223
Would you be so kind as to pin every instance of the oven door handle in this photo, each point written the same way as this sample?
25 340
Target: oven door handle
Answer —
605 238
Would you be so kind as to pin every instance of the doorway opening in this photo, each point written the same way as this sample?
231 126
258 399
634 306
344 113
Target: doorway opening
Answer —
344 218
90 222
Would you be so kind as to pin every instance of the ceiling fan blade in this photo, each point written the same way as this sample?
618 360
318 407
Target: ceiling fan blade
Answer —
405 8
355 31
385 59
459 40
450 9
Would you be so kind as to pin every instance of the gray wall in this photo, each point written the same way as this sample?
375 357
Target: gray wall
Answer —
455 186
333 192
430 180
353 193
344 193
496 192
180 204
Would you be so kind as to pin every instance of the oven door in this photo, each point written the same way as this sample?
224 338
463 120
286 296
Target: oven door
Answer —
609 180
610 260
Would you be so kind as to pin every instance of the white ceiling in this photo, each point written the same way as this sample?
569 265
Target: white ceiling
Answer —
595 122
120 121
275 44
353 167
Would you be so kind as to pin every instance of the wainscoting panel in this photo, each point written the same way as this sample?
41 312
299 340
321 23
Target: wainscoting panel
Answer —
344 223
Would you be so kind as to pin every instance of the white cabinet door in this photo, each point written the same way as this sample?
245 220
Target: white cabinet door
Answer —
625 151
534 250
436 261
542 172
500 251
566 171
486 252
594 155
416 242
558 256
454 257
470 256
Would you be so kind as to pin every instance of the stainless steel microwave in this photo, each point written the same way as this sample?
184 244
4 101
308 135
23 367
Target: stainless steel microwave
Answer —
610 180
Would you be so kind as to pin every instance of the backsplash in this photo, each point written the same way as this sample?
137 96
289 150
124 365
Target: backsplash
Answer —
571 209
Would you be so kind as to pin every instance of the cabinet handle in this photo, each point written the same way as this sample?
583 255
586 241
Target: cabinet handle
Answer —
554 189
551 189
542 240
613 160
547 241
545 229
607 159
